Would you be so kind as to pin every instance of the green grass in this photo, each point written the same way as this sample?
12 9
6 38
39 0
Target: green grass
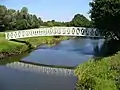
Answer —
8 46
36 41
99 75
11 46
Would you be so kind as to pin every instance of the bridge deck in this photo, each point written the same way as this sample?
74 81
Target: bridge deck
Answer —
54 31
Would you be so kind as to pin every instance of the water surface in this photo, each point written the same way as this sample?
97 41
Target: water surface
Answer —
67 53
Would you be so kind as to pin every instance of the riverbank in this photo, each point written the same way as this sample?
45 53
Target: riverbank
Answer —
103 74
11 48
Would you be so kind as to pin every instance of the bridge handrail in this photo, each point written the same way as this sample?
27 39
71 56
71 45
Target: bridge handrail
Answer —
53 31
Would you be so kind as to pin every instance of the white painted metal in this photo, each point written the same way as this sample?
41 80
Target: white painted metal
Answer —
53 31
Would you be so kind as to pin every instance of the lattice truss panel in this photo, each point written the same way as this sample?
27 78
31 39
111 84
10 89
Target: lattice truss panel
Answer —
53 31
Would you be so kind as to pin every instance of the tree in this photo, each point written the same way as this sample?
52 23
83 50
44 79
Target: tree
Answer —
11 19
24 10
40 21
80 21
50 24
106 16
21 24
3 11
35 21
67 24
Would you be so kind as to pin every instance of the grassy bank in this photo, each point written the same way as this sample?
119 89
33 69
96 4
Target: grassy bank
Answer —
36 41
99 75
10 48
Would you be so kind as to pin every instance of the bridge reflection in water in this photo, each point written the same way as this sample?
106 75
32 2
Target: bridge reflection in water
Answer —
24 75
41 69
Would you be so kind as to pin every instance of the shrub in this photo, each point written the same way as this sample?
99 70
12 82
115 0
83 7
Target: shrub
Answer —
99 75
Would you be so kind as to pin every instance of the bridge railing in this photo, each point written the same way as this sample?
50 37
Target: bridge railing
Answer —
53 31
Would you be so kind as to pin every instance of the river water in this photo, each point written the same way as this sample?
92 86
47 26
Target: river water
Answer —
68 53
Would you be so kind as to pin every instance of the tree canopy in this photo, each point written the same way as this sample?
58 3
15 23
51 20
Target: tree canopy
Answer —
11 19
80 20
77 21
106 16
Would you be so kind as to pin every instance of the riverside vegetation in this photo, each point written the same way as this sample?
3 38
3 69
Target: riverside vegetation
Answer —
99 75
11 19
92 75
103 74
18 46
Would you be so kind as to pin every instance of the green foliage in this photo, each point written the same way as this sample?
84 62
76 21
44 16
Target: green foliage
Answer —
36 41
9 46
12 47
106 16
24 10
80 21
77 21
3 10
11 19
99 75
54 23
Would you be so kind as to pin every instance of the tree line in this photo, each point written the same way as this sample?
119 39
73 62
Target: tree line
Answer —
11 19
105 15
103 73
77 21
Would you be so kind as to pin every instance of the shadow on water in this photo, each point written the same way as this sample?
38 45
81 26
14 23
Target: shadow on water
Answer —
97 47
108 48
98 50
68 53
45 65
13 59
21 79
74 49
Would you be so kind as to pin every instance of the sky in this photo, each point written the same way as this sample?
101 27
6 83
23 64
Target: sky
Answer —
59 10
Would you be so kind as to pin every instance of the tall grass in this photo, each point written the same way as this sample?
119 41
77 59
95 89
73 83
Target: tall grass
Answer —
99 75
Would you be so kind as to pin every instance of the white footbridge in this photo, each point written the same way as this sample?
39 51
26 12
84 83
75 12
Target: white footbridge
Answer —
54 31
41 69
51 31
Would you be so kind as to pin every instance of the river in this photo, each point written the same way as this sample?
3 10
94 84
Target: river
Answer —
68 53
